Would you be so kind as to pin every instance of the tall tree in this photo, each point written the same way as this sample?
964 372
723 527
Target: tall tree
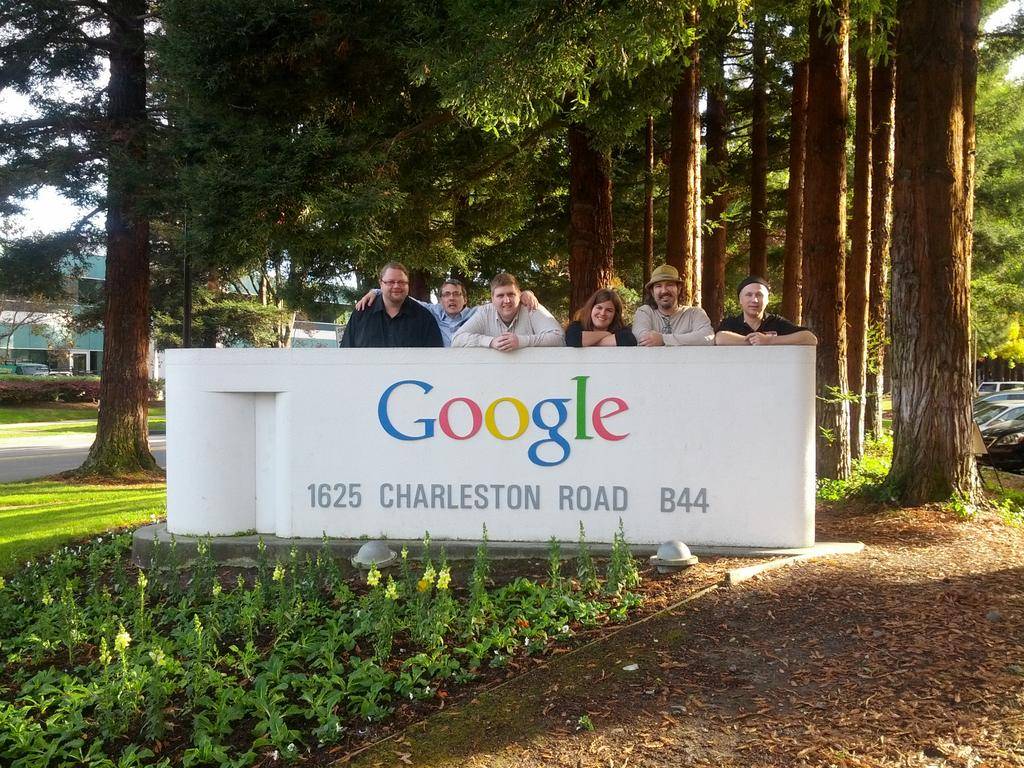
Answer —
825 229
882 112
77 142
792 273
590 217
683 161
648 236
858 267
931 361
759 150
716 174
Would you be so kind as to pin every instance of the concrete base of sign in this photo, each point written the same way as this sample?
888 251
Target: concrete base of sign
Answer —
240 551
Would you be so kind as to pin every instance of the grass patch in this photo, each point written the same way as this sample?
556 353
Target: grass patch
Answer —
39 516
21 414
1008 502
867 478
157 420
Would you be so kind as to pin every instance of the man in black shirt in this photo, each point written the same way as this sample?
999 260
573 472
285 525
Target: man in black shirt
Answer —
393 320
754 326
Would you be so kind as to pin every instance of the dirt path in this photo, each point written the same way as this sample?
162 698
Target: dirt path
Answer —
909 654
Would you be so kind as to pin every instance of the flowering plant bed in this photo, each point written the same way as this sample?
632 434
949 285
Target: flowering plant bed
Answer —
108 665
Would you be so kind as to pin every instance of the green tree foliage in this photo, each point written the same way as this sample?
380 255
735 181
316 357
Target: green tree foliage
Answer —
999 204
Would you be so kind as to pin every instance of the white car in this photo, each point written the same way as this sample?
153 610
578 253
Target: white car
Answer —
998 397
999 386
998 411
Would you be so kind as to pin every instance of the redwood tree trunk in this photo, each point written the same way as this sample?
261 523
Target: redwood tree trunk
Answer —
931 353
419 284
121 445
759 156
648 239
882 108
792 282
682 178
713 282
695 200
858 268
825 230
590 218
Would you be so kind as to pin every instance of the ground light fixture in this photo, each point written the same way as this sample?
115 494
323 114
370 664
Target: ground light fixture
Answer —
673 556
373 553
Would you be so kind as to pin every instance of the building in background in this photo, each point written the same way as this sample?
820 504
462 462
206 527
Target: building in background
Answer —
43 332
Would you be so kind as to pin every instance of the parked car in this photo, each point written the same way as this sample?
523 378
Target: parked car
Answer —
999 386
1005 445
1006 396
31 369
998 411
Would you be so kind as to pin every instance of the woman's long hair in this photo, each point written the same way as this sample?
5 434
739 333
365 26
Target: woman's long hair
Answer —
600 295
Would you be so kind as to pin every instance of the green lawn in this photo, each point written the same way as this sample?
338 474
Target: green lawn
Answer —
20 414
156 420
41 515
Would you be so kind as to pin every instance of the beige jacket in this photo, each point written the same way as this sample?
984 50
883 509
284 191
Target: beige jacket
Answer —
690 326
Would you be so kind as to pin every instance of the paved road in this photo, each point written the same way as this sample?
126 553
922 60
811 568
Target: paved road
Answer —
31 457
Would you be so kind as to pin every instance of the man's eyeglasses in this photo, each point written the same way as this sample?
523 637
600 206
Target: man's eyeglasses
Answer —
390 283
450 294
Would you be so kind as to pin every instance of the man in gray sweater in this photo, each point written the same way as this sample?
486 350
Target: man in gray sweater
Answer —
506 325
663 321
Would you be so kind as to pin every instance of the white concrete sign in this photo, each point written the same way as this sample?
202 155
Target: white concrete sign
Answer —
710 445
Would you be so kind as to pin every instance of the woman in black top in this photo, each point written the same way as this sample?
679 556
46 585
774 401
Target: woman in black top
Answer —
599 323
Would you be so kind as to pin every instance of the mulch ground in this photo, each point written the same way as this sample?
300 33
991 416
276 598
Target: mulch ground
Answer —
909 654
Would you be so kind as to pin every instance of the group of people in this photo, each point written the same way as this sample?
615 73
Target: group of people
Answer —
389 317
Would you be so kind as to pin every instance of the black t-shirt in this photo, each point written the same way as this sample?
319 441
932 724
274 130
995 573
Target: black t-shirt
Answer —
574 336
413 326
771 323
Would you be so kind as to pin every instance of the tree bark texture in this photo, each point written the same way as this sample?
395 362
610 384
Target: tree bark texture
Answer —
792 281
931 366
713 263
648 238
825 230
419 284
591 240
882 111
969 28
696 200
682 178
858 267
122 445
759 155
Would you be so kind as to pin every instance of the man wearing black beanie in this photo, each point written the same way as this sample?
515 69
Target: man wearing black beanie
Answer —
755 326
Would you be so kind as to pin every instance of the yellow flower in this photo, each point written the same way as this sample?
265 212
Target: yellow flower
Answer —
143 581
373 577
422 585
47 598
429 574
405 553
104 652
391 593
3 583
444 578
278 572
217 589
122 640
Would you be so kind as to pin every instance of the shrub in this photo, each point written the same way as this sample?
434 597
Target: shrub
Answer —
22 390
